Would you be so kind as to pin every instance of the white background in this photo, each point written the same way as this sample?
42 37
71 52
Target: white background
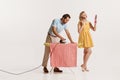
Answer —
24 25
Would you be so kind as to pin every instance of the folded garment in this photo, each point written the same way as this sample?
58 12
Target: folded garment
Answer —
63 55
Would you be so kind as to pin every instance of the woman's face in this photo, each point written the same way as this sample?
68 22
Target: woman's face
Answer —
84 15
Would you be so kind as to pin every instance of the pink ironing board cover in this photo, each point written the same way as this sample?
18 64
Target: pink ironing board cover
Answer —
63 55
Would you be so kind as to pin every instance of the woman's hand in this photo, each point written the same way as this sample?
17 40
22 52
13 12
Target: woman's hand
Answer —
95 20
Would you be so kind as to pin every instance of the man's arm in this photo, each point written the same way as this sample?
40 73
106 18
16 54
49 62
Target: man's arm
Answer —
69 36
56 33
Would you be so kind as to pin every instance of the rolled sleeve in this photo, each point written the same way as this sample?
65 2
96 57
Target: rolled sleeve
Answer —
54 23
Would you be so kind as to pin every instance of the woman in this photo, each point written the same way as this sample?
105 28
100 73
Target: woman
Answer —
85 39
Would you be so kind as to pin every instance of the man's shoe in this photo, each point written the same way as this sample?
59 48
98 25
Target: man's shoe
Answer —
57 70
45 70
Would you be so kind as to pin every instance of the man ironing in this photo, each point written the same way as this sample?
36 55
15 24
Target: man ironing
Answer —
54 36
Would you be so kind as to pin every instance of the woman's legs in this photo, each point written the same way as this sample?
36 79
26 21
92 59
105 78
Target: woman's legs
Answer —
87 53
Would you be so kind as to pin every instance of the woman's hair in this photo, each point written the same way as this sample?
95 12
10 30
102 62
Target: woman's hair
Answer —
80 16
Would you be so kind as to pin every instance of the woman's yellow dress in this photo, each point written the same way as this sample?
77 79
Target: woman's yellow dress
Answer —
85 40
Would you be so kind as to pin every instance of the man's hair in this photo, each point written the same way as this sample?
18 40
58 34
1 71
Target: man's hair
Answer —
65 16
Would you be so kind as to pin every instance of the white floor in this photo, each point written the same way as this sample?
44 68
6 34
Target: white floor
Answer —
102 65
97 73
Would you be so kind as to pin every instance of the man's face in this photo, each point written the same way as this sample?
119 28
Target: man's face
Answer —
65 20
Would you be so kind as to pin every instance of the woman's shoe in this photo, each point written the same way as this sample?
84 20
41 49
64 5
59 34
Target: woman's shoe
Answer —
83 68
86 70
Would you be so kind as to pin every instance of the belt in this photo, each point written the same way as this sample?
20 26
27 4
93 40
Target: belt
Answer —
51 35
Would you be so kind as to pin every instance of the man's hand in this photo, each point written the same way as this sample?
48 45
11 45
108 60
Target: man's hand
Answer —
72 42
62 39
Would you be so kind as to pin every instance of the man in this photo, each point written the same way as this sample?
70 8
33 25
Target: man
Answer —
53 36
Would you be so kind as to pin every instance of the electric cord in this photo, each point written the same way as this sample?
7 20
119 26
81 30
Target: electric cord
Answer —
1 70
12 73
20 73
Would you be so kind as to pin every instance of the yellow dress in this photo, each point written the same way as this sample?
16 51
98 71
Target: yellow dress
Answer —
85 40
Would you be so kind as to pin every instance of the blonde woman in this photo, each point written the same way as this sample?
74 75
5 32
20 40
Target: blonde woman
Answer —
85 39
